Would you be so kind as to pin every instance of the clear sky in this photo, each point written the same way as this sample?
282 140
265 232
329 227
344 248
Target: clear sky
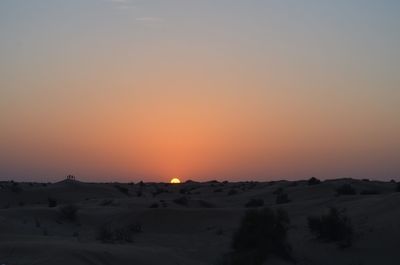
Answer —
210 89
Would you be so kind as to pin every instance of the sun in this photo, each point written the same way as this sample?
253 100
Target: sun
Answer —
175 181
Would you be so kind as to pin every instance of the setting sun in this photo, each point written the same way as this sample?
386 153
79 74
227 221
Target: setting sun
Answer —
175 181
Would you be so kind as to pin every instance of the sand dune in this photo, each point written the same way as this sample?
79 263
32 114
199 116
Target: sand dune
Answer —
189 223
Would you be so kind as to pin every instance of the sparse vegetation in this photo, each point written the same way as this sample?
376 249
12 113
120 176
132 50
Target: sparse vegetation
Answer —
313 181
154 205
345 189
206 204
69 212
109 234
123 190
232 192
52 202
261 233
182 200
254 203
369 192
282 198
332 227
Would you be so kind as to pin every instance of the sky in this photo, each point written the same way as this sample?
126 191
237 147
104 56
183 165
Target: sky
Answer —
129 90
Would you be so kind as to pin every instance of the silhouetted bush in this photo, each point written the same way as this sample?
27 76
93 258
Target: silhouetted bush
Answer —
313 181
154 205
106 202
109 234
254 203
52 202
184 191
332 227
261 233
181 200
15 187
123 190
278 191
206 204
159 191
69 212
345 189
282 198
369 192
232 192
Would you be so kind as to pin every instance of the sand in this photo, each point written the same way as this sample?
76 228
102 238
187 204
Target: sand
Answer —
195 230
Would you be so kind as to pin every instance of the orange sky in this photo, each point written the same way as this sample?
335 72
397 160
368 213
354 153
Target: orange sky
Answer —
132 90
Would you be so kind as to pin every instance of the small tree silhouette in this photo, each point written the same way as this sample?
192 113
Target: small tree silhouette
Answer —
332 227
261 233
313 181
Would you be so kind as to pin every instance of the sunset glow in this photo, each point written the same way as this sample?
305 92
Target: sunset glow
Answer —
140 90
175 181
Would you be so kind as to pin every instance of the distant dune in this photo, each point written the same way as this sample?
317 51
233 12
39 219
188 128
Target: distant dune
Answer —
72 222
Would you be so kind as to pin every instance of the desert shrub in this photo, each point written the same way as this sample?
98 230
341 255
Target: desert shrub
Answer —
105 234
261 233
332 227
206 204
154 205
278 191
345 189
159 191
123 190
106 202
232 192
184 191
254 203
369 192
282 198
313 181
109 234
15 187
182 200
52 202
69 212
123 234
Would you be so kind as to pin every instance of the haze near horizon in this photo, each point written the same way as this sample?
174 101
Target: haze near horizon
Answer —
128 90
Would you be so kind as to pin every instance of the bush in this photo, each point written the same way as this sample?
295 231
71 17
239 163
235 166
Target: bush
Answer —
52 202
369 192
206 204
109 234
261 233
278 191
15 187
282 198
345 189
182 200
123 190
254 203
232 192
332 227
154 205
313 181
69 212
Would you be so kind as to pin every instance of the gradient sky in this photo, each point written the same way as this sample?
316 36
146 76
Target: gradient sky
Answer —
127 90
